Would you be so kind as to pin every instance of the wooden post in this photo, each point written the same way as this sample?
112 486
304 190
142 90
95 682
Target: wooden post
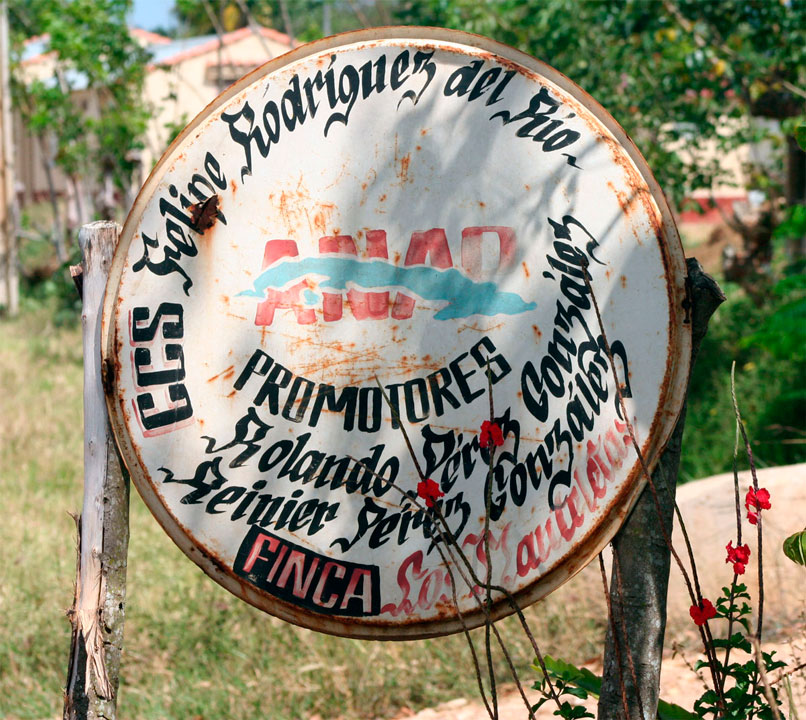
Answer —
9 274
641 557
99 606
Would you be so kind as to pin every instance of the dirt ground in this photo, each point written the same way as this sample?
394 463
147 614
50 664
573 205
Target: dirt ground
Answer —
708 510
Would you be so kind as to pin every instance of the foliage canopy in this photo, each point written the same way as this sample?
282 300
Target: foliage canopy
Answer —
94 54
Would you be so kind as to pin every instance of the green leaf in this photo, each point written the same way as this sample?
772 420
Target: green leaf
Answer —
670 711
795 547
737 640
709 696
800 136
770 663
574 711
540 702
581 677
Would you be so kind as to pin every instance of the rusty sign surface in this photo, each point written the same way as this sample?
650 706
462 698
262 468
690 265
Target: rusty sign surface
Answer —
341 244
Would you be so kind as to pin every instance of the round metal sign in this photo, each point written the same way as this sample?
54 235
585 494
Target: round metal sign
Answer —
336 250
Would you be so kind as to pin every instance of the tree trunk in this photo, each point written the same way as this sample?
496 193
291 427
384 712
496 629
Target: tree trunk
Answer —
58 231
99 606
795 191
641 557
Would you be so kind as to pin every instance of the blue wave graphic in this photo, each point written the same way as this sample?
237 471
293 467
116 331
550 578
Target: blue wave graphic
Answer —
465 297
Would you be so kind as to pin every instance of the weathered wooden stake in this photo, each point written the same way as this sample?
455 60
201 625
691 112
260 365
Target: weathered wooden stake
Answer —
9 273
642 556
99 604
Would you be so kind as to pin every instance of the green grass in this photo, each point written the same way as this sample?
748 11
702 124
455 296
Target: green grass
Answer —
192 650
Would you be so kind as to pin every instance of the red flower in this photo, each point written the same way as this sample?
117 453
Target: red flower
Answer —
739 556
702 613
429 491
491 434
759 500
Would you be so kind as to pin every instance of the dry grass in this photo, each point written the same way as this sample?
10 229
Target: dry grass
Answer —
192 649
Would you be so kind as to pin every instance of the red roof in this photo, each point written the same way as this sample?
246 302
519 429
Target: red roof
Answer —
227 39
148 37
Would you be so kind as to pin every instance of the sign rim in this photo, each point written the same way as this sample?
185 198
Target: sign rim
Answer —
670 401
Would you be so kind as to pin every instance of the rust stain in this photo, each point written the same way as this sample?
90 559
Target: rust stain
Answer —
233 186
401 165
536 331
322 217
204 214
504 62
403 173
624 281
108 376
623 201
637 186
424 132
224 374
232 394
297 207
479 328
525 269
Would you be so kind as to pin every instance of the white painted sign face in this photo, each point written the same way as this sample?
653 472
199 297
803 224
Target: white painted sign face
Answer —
343 243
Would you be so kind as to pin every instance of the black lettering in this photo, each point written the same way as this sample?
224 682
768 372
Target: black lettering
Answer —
461 379
226 497
307 393
399 66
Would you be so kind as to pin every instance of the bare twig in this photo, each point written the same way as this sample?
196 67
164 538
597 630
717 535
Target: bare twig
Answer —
492 710
451 545
414 501
789 672
737 502
768 693
255 28
399 421
676 649
289 28
359 13
488 560
749 452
